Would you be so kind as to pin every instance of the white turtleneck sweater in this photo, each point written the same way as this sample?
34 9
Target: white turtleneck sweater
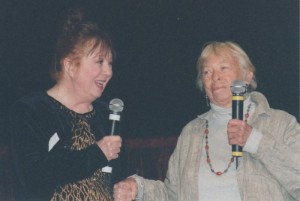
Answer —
224 187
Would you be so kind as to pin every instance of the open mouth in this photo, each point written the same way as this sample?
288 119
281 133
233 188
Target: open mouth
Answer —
100 83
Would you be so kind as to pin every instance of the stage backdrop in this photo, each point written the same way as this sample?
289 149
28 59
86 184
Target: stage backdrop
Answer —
157 44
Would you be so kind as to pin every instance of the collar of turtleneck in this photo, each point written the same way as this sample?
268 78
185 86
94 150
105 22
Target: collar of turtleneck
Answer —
225 114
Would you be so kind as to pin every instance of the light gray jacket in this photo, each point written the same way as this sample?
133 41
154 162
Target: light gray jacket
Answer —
271 174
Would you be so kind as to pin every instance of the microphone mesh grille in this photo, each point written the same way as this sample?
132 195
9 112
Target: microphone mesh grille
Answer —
238 87
116 105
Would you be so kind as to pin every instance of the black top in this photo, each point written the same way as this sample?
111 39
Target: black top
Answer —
54 150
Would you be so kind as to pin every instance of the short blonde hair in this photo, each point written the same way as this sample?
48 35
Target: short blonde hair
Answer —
228 48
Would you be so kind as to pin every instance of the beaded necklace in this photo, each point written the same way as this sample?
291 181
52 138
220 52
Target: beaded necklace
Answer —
208 160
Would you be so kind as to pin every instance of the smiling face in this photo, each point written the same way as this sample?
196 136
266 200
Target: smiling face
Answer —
92 73
218 65
218 72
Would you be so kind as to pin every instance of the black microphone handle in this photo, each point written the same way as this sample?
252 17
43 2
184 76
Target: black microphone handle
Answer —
237 113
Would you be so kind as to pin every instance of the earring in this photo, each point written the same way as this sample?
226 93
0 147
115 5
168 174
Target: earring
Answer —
248 88
207 100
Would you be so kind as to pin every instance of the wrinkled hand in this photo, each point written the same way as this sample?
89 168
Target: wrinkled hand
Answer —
125 190
238 132
110 146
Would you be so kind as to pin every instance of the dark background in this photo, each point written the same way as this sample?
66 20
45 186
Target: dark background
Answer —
157 44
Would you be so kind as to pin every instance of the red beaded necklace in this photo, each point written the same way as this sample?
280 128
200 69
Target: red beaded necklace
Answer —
208 160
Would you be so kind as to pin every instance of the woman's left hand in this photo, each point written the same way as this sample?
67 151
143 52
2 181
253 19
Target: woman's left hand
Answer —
110 146
238 132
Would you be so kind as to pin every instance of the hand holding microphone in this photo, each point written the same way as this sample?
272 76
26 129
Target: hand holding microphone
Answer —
111 145
238 89
238 133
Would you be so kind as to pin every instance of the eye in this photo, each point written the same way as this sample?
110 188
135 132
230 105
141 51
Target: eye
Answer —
100 61
206 73
224 68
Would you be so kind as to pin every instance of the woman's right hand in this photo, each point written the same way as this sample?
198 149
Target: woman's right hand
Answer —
110 146
125 190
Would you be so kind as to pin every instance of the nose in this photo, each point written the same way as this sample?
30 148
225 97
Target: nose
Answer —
107 70
215 76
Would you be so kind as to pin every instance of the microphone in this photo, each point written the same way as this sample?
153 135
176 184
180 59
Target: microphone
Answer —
238 89
116 107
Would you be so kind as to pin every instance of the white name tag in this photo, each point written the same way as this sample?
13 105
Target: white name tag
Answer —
53 140
107 169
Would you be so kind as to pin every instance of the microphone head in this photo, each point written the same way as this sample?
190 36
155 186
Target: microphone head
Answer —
116 105
238 87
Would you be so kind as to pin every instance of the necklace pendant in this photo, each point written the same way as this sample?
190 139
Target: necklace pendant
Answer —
219 173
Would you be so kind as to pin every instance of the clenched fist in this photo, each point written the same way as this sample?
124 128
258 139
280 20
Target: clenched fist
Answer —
125 190
110 146
238 132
